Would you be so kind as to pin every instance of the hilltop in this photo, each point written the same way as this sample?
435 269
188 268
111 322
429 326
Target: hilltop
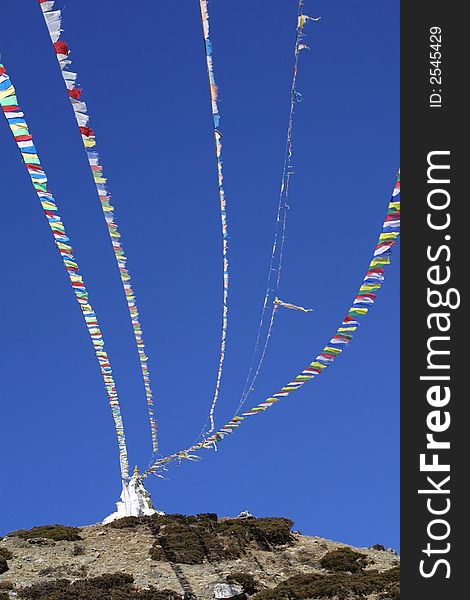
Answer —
174 557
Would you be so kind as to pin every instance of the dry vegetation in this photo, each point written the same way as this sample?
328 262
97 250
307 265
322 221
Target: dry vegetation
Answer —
187 545
115 586
339 585
191 540
50 532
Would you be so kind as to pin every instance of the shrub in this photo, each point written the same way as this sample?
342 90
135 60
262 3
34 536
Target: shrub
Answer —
51 532
192 539
186 544
265 532
178 544
205 521
6 554
246 580
378 547
115 586
110 580
187 539
344 559
126 523
156 521
336 585
45 590
154 594
3 565
210 518
49 571
94 588
78 549
4 596
393 593
6 585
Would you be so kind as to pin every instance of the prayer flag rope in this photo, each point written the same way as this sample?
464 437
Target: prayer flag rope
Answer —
365 298
275 265
53 19
213 89
24 140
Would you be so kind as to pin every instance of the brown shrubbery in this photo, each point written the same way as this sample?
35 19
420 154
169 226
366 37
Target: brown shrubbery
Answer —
339 585
191 540
127 523
246 580
115 586
156 521
348 578
195 539
51 532
3 565
186 544
6 585
6 554
344 559
265 532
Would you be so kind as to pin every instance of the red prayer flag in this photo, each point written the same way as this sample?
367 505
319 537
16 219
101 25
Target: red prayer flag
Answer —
387 244
75 93
61 47
87 131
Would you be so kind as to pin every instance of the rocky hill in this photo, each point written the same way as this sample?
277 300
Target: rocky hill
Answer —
175 557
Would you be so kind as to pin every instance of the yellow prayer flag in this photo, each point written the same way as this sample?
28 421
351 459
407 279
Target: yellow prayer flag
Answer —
8 92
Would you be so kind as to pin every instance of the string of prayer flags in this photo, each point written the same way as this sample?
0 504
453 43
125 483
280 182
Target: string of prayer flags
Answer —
24 140
273 281
371 284
213 89
53 19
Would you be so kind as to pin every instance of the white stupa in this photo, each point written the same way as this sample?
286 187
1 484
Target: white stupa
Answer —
135 501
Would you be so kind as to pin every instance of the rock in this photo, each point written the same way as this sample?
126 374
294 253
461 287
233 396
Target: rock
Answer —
41 542
227 590
245 514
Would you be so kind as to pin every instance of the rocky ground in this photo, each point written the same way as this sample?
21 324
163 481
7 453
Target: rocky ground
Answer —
145 551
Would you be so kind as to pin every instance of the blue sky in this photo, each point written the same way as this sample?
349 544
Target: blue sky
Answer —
327 457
